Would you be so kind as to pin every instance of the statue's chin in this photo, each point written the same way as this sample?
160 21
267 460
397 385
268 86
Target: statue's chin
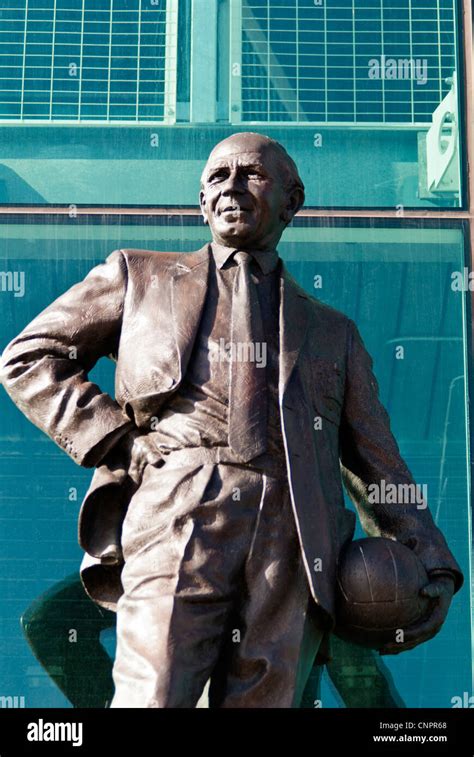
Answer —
233 235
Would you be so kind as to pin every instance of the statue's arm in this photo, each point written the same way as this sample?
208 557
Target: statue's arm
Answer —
369 455
45 368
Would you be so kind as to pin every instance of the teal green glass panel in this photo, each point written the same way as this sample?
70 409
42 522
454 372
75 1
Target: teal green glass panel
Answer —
121 166
350 60
395 281
118 102
86 61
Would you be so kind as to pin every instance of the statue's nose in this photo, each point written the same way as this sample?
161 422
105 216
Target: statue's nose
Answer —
232 185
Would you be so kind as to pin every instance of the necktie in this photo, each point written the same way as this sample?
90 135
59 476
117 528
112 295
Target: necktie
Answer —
248 386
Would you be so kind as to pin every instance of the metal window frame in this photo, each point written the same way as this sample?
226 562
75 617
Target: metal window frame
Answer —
449 214
170 80
235 67
203 94
171 63
235 103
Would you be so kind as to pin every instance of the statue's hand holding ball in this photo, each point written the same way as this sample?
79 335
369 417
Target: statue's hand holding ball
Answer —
385 599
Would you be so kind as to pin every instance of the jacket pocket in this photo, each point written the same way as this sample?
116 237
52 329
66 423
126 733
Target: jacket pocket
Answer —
328 408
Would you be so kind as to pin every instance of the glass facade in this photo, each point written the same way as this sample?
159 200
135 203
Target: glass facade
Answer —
87 62
353 61
363 94
108 111
295 61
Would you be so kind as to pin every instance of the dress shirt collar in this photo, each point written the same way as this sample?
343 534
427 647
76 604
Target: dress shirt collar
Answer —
267 259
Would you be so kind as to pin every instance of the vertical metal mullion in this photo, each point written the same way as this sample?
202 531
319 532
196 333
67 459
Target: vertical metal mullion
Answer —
83 12
354 69
268 59
53 41
412 94
297 23
23 67
138 58
325 22
469 109
235 72
383 60
438 19
109 65
468 134
171 45
203 90
468 345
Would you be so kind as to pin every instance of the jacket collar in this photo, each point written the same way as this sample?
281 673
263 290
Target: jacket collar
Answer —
266 259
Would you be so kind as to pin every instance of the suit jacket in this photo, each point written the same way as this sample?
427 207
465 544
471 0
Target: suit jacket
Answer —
142 308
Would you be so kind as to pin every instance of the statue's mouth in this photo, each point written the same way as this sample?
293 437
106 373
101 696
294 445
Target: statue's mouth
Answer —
233 209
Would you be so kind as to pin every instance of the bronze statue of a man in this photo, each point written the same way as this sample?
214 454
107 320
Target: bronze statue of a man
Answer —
215 517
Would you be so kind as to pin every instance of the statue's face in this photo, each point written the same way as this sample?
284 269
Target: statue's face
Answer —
243 198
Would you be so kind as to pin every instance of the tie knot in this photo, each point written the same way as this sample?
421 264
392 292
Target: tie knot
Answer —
242 258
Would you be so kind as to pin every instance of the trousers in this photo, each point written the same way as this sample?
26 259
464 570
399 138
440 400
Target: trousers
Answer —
214 588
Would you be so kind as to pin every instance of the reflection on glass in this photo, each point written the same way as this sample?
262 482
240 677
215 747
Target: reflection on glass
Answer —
363 95
396 282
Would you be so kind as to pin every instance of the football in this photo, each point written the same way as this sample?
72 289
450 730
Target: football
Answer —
378 592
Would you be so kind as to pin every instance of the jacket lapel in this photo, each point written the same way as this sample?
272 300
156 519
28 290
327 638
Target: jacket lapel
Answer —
188 294
294 321
189 287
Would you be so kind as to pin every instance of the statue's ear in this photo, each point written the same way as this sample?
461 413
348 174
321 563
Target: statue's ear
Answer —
202 203
294 201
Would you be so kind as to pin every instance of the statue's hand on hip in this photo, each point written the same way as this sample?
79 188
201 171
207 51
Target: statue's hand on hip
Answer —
141 451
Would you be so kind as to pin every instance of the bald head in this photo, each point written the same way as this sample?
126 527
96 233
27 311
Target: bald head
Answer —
252 142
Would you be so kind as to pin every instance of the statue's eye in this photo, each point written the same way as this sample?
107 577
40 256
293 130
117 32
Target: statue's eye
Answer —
253 173
217 176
